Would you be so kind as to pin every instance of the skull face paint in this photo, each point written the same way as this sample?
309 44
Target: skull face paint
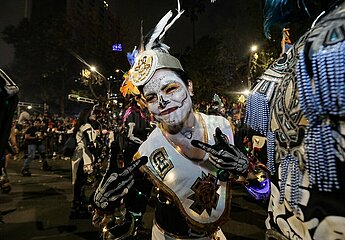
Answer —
168 98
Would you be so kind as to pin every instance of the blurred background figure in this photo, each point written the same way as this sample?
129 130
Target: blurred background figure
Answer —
10 151
82 162
136 127
35 139
8 104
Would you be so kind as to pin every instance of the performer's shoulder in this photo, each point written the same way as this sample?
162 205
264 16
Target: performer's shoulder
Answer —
154 136
327 33
214 119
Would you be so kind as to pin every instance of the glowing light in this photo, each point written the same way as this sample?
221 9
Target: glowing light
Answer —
242 99
117 47
253 48
246 92
93 69
29 107
119 70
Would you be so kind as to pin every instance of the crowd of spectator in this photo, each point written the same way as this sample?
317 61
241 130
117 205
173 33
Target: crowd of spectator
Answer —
58 127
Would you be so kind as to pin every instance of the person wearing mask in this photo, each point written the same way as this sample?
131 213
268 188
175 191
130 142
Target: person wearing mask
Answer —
189 154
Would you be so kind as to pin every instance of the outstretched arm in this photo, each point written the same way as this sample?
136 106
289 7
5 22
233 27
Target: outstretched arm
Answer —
229 159
109 210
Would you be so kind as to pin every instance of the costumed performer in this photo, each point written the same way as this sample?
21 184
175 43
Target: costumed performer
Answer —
185 153
299 104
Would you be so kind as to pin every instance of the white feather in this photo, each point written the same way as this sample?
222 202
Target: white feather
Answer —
179 13
158 30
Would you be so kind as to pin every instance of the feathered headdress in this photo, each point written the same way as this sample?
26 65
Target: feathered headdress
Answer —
153 54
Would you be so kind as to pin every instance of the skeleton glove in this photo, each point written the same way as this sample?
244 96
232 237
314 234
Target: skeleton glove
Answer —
114 186
224 155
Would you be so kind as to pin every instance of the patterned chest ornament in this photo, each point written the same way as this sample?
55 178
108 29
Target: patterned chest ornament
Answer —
160 162
205 194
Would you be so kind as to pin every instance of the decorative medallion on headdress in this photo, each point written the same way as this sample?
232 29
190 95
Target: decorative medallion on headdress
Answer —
154 54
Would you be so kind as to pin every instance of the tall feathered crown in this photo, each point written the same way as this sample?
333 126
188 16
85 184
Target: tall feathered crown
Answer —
153 53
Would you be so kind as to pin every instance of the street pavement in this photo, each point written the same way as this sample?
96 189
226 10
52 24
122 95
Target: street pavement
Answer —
37 208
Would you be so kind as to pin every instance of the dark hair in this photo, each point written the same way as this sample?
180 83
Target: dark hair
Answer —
183 75
83 118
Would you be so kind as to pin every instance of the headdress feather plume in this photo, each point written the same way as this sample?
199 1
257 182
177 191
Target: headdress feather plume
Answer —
142 47
154 38
153 55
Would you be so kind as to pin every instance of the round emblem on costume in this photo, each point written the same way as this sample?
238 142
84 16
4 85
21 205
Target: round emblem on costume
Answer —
144 67
205 194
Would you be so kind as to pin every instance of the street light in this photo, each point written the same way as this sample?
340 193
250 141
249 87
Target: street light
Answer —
253 50
119 70
93 69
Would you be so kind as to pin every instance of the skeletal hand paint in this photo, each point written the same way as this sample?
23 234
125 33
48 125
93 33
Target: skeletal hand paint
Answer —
224 155
114 186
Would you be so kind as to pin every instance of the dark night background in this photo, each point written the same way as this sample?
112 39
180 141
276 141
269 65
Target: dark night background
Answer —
213 45
244 16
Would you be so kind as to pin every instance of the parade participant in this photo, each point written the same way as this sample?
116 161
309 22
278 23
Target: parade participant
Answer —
299 105
10 150
8 103
34 137
184 153
82 161
136 128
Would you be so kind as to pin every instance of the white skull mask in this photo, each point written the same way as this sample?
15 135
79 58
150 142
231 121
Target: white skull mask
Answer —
168 98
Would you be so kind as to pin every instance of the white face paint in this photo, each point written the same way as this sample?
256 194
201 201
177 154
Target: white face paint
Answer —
168 98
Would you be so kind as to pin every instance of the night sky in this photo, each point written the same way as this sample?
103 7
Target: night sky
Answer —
11 12
244 17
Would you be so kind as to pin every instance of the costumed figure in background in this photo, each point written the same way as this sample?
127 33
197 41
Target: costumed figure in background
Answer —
8 103
10 151
82 162
189 154
299 104
136 127
101 123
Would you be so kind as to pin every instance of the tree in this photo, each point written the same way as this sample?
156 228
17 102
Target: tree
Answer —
44 66
192 9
